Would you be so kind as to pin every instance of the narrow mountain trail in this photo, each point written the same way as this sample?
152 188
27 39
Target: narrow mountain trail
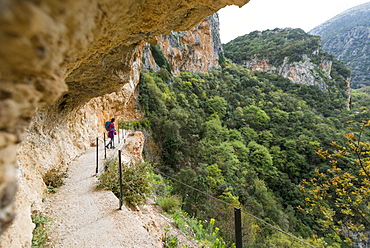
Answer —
85 216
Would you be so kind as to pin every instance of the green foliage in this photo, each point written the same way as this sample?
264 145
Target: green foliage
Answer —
340 195
245 137
159 57
360 98
170 241
191 200
217 106
40 232
53 179
280 240
215 177
288 45
261 159
340 70
274 45
135 181
221 59
134 125
170 204
255 117
205 232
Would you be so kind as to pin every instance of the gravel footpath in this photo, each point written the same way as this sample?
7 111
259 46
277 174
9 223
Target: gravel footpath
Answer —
87 217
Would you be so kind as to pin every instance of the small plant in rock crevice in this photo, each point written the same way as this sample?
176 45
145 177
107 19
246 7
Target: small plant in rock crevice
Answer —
40 233
53 179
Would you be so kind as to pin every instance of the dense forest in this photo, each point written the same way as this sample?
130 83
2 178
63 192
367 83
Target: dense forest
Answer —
275 45
250 139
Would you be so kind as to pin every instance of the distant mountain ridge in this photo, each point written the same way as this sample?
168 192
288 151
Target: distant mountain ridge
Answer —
347 37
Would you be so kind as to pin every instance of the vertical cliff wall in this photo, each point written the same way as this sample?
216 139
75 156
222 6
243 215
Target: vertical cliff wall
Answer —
196 50
65 67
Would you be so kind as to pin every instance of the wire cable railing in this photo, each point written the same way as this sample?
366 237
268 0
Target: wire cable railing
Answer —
226 203
237 210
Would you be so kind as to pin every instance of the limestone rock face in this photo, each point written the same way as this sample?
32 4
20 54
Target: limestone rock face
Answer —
133 147
291 53
346 36
302 72
65 68
196 50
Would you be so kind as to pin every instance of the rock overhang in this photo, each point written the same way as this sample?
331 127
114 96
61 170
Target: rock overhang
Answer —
64 53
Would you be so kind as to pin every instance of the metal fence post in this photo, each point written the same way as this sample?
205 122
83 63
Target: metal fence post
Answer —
118 133
238 228
97 154
105 148
120 179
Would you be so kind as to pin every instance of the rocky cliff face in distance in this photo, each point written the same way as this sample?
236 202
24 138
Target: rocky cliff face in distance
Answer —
300 72
196 50
347 37
291 53
65 68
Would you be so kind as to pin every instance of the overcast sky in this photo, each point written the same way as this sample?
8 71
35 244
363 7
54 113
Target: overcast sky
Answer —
270 14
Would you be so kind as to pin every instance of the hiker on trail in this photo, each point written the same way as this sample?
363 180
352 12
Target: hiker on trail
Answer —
109 126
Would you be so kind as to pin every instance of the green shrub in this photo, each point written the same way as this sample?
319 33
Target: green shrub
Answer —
40 233
135 181
159 57
170 204
134 125
169 241
204 231
54 179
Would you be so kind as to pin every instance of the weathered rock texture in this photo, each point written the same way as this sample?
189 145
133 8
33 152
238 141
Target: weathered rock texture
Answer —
196 50
66 67
347 37
302 72
132 147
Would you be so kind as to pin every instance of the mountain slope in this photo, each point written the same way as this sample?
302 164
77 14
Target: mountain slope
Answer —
291 53
347 37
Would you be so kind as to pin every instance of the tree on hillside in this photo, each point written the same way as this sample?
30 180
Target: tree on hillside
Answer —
339 195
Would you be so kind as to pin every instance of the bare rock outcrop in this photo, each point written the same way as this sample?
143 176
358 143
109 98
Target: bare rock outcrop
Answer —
302 72
66 67
134 145
196 50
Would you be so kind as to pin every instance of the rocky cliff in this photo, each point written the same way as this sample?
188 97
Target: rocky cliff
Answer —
196 50
291 53
66 67
347 37
301 72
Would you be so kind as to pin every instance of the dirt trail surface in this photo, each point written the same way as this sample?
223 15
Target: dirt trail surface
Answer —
87 217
